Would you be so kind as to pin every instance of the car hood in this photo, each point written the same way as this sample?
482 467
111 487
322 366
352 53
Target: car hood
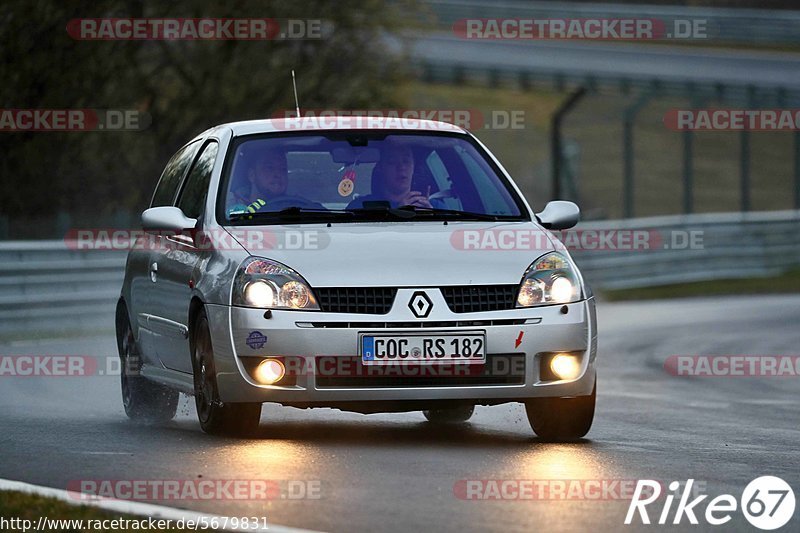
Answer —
403 254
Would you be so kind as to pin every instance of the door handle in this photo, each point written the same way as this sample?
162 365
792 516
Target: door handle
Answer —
154 272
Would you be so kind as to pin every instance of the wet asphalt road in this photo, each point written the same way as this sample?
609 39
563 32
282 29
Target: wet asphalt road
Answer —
396 472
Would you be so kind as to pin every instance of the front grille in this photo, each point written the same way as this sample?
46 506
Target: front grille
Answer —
349 372
363 300
479 298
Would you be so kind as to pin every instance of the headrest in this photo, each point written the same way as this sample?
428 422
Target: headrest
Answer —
376 181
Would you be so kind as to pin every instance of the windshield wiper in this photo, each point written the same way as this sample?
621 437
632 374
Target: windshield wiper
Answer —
384 210
297 210
455 213
293 213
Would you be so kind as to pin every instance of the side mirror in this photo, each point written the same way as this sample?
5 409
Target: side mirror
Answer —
559 214
166 219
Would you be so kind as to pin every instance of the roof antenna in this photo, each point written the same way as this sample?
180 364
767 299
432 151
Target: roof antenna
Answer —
296 101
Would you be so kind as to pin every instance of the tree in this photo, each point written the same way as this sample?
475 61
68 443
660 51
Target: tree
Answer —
184 86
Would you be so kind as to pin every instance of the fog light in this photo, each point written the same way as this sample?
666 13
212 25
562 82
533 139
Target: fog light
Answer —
269 371
565 366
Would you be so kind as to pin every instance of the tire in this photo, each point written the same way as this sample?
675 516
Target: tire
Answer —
216 418
143 399
449 416
562 419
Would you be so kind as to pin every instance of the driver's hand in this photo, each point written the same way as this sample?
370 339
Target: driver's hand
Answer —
415 198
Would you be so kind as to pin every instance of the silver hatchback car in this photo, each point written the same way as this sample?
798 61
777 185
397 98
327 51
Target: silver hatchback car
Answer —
369 266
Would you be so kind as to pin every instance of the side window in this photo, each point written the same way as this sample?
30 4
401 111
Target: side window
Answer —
494 200
196 185
171 177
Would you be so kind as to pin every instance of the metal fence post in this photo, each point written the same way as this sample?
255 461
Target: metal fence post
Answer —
628 125
797 169
688 171
525 82
744 156
744 170
698 101
555 137
459 76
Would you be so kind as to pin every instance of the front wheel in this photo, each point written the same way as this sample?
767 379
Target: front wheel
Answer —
449 416
217 418
143 399
562 419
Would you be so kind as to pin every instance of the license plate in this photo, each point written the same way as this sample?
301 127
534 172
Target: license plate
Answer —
423 348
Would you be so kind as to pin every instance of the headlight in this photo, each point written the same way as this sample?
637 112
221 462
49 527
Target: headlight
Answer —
268 284
551 279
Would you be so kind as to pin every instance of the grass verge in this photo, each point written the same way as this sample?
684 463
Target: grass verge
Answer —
593 133
788 283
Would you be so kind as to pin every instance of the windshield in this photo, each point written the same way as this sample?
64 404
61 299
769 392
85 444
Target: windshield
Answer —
360 176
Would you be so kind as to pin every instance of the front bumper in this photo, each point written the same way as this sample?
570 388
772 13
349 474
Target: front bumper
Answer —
308 336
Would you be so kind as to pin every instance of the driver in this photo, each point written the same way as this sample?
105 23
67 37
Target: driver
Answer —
394 173
269 180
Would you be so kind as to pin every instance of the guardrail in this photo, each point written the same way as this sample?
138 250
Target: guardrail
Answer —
47 286
729 25
729 246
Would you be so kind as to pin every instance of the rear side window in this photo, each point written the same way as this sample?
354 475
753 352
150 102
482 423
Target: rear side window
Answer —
171 177
196 187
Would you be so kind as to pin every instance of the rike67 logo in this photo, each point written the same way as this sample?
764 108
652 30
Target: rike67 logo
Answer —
767 502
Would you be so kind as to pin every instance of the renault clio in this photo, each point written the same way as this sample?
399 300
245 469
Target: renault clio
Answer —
339 264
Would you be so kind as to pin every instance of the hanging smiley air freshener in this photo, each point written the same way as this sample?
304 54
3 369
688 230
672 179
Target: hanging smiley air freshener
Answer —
347 184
